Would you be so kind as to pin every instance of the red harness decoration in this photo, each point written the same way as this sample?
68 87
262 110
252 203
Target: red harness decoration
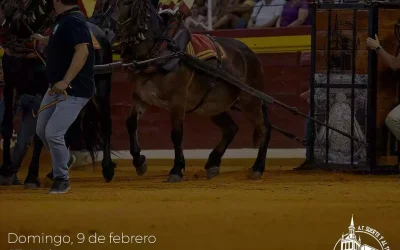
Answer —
203 48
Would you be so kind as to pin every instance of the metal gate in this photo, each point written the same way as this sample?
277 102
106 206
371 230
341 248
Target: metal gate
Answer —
343 85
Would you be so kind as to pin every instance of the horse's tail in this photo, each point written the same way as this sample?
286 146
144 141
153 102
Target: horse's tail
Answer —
91 130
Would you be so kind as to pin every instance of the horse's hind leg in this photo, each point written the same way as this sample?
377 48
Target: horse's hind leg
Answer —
139 161
262 135
228 129
177 117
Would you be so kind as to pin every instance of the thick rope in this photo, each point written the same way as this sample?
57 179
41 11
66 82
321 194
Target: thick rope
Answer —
50 104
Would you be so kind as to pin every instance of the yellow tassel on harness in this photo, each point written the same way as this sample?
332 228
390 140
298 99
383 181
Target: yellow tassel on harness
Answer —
50 104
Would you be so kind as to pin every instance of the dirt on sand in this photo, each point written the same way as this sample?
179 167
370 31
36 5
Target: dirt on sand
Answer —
284 210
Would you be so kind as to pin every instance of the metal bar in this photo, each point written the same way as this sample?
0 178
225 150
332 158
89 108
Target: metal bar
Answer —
328 80
289 135
312 78
209 14
330 6
372 88
353 75
342 86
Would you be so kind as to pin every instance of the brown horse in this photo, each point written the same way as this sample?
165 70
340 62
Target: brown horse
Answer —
180 88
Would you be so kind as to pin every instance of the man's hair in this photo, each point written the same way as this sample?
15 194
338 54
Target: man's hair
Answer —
69 2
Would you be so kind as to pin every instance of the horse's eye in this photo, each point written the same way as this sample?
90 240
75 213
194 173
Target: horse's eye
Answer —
127 3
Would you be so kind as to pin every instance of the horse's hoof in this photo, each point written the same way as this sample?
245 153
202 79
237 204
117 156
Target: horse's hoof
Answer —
108 174
31 182
212 172
254 175
173 178
31 185
142 170
6 180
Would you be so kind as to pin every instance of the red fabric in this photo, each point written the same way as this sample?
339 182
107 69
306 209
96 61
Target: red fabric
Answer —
201 43
82 8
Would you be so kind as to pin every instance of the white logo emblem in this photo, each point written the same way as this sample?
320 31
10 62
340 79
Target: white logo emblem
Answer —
351 241
55 29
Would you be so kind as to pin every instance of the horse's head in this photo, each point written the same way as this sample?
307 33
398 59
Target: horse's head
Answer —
8 12
139 24
105 16
24 17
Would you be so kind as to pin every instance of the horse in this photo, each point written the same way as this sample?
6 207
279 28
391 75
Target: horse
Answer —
25 18
171 84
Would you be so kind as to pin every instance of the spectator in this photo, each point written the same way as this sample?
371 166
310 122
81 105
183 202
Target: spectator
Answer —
294 13
217 6
266 14
202 9
195 22
237 14
393 118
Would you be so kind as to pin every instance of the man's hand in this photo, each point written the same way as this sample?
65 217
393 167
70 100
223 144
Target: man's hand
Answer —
59 88
41 39
306 96
38 37
373 43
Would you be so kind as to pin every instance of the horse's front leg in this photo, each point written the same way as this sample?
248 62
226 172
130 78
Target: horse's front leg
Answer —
138 109
177 119
103 92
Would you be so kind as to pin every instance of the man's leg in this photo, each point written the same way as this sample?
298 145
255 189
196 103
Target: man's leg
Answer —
308 138
393 121
309 135
44 117
64 115
26 131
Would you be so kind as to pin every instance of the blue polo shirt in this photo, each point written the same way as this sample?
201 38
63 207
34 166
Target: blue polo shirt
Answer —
69 30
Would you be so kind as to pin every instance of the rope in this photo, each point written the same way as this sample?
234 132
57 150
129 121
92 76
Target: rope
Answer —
50 104
37 52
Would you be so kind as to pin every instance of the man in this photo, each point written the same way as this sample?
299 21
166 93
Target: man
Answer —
393 118
266 13
70 63
24 72
237 14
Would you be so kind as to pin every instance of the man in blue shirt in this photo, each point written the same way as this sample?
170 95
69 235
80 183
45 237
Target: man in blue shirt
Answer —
70 62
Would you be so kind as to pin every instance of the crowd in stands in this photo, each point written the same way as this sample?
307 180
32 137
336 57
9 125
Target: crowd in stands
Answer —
252 14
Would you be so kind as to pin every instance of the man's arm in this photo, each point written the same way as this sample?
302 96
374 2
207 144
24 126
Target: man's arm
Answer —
303 13
243 8
278 23
78 61
41 39
392 61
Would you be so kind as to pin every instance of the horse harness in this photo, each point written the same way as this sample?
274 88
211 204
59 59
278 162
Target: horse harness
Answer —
212 83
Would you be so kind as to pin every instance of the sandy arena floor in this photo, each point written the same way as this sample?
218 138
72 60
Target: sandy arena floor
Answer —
285 210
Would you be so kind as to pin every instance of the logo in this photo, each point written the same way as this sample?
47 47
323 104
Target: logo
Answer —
55 29
361 238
